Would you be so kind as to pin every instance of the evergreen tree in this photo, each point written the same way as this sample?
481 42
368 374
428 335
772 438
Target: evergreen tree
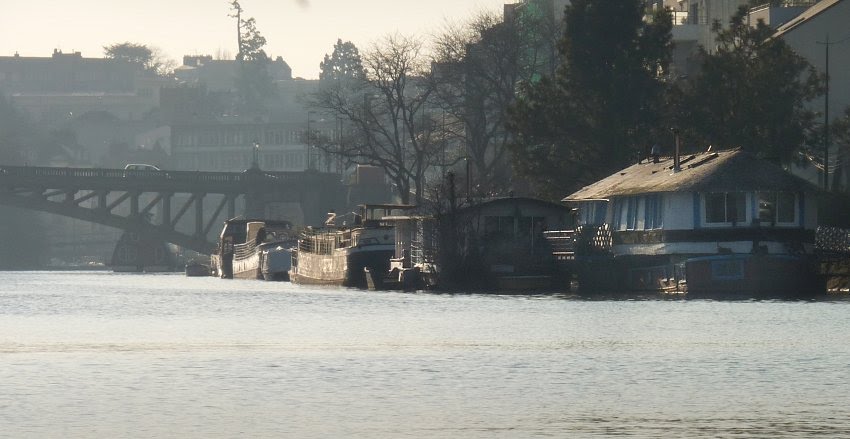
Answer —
254 82
750 93
604 105
150 59
344 63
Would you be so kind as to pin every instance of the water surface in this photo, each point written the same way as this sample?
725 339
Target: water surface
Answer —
98 354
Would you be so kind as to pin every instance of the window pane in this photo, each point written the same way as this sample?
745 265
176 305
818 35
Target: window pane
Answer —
491 225
767 206
524 229
538 225
633 207
622 211
659 212
599 215
786 206
715 207
584 212
506 226
736 206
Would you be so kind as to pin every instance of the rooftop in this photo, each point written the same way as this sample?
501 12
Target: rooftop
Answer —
722 171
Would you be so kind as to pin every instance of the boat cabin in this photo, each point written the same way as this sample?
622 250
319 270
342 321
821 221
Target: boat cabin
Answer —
506 236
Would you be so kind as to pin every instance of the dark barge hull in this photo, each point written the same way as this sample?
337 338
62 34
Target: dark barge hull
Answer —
345 267
753 276
716 276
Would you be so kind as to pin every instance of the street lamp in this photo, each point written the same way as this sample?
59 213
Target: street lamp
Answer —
255 163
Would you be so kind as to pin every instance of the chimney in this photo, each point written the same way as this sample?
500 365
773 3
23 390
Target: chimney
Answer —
676 167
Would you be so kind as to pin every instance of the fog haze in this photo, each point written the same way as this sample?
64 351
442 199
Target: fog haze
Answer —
301 31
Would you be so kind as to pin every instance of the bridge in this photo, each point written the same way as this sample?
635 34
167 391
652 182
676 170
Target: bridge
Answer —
152 203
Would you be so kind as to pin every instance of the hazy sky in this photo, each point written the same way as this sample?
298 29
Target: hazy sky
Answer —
301 31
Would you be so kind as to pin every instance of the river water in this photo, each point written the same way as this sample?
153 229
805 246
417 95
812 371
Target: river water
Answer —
98 354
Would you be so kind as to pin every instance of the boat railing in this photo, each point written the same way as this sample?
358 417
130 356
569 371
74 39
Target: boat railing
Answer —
322 242
563 243
422 254
832 240
244 250
593 239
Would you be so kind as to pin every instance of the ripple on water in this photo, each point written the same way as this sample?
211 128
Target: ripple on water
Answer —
108 355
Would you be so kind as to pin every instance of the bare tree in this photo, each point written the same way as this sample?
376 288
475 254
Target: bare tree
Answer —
479 66
385 111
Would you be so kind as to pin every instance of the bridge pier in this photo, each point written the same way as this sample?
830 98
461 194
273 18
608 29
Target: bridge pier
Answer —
134 253
165 212
199 215
134 204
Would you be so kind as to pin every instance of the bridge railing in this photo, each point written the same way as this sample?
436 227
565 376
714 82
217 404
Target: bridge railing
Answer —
184 176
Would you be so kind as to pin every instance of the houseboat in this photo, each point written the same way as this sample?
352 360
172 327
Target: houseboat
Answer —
497 243
340 254
505 239
414 262
254 249
713 223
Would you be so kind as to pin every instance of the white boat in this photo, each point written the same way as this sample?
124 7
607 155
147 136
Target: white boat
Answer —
276 259
255 249
340 255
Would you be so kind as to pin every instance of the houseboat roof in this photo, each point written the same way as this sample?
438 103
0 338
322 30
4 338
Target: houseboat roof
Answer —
719 171
489 202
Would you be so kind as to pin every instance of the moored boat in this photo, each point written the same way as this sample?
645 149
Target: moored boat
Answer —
276 259
413 265
254 249
712 224
757 275
341 255
195 268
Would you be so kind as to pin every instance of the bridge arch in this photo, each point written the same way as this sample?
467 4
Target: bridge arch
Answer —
127 200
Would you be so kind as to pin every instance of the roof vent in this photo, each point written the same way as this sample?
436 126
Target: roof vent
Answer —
708 158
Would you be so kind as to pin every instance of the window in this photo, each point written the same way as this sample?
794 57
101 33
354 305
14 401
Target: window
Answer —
653 212
592 212
638 213
732 269
725 207
777 207
499 227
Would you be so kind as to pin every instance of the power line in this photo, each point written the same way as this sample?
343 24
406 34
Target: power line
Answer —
826 45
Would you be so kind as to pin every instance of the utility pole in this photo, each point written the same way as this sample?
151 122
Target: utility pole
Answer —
826 139
826 119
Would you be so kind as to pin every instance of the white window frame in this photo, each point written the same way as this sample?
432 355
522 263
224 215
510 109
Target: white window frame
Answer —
704 211
796 210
